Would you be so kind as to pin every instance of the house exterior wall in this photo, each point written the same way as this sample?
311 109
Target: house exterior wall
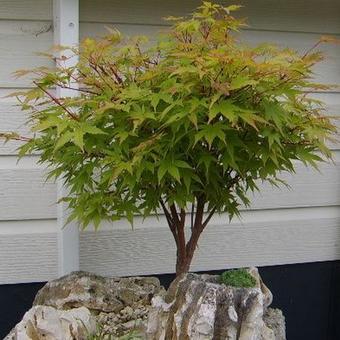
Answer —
28 238
282 226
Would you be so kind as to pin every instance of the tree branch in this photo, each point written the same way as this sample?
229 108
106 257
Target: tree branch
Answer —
166 212
181 234
11 136
76 89
199 212
170 221
211 214
192 213
197 230
174 214
57 101
179 226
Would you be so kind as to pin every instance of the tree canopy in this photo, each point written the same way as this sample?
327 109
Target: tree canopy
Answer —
197 118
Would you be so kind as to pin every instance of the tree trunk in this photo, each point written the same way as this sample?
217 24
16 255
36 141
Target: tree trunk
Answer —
182 265
176 222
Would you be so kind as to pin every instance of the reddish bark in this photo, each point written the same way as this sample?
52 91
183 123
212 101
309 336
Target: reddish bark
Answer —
176 222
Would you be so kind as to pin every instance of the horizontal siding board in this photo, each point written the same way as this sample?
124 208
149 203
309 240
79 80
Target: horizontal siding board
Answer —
20 41
12 119
96 30
26 9
12 162
27 227
25 195
28 257
295 15
133 252
308 187
286 15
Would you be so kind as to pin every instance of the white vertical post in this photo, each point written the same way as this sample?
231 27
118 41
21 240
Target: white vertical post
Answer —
66 33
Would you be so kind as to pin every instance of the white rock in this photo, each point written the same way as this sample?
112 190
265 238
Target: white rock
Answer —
197 307
48 323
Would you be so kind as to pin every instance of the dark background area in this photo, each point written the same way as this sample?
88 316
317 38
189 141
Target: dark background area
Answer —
308 294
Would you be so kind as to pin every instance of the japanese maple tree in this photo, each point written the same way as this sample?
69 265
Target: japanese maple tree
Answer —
189 125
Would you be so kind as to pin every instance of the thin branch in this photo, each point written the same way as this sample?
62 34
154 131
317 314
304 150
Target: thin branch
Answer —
197 230
170 221
76 89
192 213
182 215
115 72
219 73
57 101
181 235
94 67
174 214
199 212
8 136
233 181
311 49
166 212
212 212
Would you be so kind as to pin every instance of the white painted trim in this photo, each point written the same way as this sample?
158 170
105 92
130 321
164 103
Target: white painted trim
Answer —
66 33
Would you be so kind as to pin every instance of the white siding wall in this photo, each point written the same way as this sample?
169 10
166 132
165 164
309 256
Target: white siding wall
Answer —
28 238
282 226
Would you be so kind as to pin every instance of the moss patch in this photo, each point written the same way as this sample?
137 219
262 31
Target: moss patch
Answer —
237 278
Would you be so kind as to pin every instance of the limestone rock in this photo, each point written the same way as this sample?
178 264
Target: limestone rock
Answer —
120 305
48 323
97 293
275 320
197 307
122 323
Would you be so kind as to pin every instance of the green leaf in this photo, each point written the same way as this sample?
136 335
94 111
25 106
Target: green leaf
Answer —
209 133
274 112
206 159
173 171
49 122
232 8
162 171
63 139
79 138
24 149
93 130
251 119
241 81
226 109
182 164
187 180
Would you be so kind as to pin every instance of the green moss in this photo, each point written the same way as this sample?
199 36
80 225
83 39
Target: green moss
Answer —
237 278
